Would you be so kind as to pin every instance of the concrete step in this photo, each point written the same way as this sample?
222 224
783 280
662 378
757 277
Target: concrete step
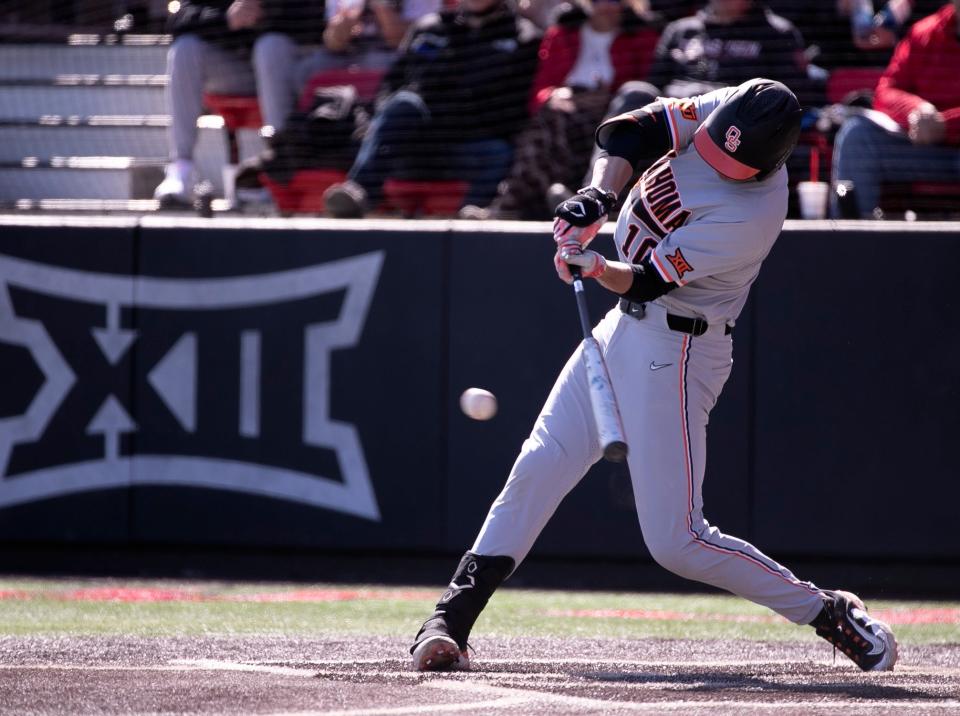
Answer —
39 141
100 206
81 80
101 184
17 142
39 180
57 183
20 101
45 61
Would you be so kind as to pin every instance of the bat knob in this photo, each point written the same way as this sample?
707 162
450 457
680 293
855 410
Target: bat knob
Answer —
615 451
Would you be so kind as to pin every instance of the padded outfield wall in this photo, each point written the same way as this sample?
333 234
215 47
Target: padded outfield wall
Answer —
294 383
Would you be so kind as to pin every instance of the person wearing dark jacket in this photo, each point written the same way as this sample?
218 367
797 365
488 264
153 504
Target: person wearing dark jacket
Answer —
729 42
228 47
450 106
592 61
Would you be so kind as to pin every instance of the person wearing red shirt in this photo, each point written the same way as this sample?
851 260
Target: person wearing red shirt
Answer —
920 95
596 50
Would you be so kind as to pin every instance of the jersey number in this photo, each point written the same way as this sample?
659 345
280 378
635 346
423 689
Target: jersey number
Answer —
640 248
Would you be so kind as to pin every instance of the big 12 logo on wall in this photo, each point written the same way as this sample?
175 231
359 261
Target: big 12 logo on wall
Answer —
167 381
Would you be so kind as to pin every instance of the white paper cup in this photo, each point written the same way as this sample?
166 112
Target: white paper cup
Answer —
229 174
813 199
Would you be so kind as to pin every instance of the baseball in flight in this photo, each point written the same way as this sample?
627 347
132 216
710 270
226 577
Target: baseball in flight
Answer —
478 403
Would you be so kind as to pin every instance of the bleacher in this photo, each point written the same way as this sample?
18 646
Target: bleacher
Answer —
83 125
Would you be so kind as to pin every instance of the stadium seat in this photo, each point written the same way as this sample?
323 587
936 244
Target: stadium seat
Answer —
366 81
304 193
844 80
934 199
238 112
424 198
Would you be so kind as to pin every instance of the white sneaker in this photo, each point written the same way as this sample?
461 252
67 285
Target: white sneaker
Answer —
176 189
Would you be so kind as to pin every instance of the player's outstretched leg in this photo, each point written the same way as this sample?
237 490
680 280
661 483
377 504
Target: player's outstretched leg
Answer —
441 643
844 622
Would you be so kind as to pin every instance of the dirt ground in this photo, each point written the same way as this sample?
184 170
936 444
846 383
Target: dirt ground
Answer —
357 675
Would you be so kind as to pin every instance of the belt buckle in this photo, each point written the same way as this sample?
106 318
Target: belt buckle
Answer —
698 327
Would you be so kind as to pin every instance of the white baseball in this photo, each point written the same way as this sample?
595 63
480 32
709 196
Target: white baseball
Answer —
478 403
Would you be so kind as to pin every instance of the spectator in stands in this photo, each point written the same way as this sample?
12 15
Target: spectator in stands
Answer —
453 101
362 34
540 12
214 43
217 41
920 92
367 33
593 50
727 43
853 33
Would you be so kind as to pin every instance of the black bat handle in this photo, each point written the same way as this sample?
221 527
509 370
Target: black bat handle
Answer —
581 296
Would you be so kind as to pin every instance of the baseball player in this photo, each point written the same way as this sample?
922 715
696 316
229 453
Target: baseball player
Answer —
690 239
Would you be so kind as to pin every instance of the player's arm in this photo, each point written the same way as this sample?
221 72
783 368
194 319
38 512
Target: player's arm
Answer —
625 140
638 282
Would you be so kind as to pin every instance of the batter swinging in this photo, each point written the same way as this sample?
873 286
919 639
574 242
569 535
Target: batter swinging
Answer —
690 240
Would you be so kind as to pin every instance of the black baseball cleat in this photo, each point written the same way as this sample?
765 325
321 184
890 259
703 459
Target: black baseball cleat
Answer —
844 622
435 649
441 643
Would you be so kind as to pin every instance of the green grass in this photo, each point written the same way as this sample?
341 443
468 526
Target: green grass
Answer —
512 612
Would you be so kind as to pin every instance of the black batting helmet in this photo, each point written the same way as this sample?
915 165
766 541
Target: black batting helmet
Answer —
753 132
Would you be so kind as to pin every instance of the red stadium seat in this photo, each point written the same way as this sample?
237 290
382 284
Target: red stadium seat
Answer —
845 80
424 198
941 199
304 193
238 112
366 81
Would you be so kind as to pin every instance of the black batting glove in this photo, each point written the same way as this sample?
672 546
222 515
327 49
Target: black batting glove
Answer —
587 206
580 217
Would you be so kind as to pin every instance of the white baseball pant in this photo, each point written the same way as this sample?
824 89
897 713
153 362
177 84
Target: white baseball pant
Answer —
666 384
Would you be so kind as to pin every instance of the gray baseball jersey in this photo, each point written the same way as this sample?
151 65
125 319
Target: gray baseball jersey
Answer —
705 234
709 235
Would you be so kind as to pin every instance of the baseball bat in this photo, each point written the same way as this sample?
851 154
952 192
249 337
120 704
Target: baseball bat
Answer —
602 398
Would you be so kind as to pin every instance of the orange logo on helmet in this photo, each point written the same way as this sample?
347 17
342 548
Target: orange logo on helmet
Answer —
733 139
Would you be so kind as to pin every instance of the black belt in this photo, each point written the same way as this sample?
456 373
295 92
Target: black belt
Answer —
681 324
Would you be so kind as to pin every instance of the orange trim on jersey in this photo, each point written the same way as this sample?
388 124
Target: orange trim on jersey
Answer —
674 131
722 162
661 269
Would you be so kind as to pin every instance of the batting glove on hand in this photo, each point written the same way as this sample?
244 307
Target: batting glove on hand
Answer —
592 264
580 217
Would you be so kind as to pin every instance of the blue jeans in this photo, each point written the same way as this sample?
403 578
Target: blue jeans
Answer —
403 143
868 155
